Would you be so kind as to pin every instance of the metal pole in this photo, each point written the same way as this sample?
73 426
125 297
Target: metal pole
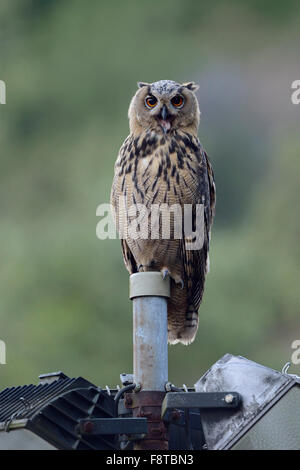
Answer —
150 352
150 292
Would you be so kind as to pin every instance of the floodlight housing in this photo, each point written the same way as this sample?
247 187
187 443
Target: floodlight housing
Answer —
45 416
269 415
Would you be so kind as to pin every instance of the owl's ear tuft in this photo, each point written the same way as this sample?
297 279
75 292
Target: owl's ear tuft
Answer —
141 84
191 86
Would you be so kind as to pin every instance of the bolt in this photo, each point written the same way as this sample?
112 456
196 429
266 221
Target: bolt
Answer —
88 427
128 400
229 398
175 415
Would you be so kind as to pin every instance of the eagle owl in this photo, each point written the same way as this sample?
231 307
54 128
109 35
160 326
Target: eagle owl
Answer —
163 162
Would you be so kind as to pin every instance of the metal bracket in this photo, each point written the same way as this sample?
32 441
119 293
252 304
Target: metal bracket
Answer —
176 401
112 426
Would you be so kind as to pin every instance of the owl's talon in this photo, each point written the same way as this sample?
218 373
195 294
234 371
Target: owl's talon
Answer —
165 273
181 282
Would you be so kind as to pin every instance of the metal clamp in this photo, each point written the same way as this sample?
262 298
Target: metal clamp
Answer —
149 284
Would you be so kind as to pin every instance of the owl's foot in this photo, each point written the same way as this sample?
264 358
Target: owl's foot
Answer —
180 281
146 267
165 272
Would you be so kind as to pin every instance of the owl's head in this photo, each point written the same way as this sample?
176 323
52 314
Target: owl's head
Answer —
164 106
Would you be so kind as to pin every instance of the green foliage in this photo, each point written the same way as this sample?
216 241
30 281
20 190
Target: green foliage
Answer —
71 69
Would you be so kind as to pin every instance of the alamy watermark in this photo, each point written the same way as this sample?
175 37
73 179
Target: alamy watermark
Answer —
295 97
2 101
2 352
295 357
154 222
2 92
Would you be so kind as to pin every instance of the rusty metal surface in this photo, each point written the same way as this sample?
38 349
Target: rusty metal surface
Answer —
147 404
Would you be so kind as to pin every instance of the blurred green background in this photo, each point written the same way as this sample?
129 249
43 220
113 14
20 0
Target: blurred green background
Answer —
70 69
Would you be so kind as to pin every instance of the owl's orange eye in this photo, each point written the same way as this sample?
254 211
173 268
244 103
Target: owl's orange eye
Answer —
150 101
177 101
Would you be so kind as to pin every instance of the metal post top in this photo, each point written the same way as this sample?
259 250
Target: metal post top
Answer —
149 283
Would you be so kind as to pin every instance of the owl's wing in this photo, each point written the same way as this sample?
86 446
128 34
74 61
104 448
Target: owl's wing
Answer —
195 261
128 257
116 191
212 192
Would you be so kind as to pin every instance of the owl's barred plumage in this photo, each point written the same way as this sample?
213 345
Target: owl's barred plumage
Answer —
162 162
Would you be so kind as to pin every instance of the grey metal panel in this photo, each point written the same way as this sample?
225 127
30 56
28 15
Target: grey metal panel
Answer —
278 429
23 439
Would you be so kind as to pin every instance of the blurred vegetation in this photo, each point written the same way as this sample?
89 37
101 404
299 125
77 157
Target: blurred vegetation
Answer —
71 68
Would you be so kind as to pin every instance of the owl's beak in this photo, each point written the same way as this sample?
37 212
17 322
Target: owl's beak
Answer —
164 120
164 113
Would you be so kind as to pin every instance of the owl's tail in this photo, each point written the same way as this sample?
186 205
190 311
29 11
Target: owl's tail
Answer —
187 332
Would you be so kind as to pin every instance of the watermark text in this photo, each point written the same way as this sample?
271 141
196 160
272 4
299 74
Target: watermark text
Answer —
295 97
152 222
295 358
2 352
2 92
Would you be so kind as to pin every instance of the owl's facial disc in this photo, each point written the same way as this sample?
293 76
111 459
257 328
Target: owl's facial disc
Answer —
164 107
160 111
